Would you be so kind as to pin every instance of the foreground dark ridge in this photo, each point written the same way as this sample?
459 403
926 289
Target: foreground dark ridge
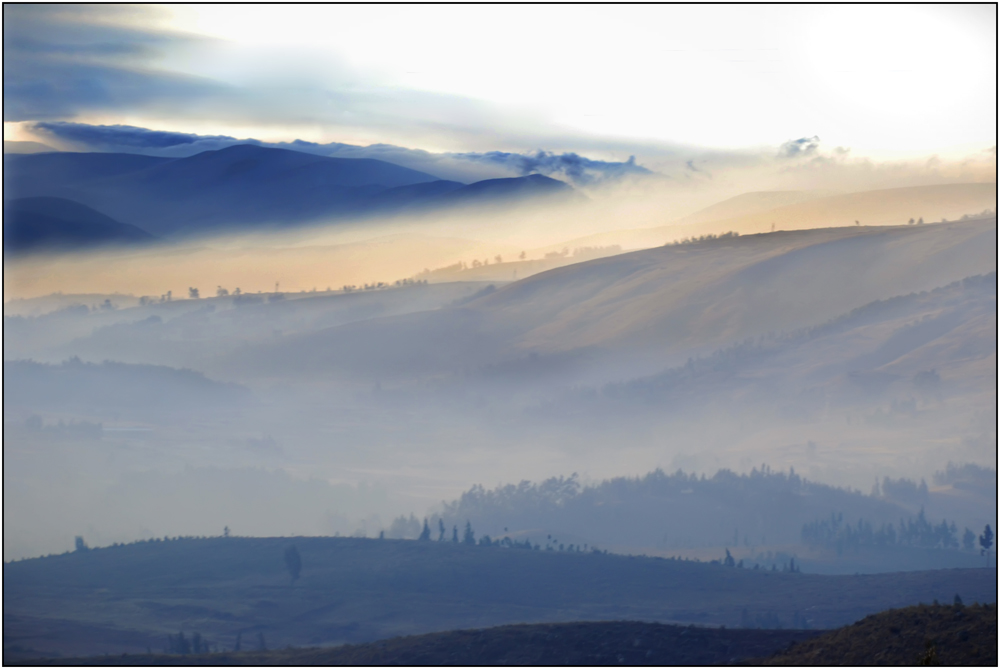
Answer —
128 599
575 644
955 635
949 635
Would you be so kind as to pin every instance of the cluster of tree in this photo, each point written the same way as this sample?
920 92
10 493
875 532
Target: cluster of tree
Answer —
903 491
166 297
985 213
468 535
380 285
246 299
704 238
593 251
402 528
291 556
181 645
410 282
788 566
968 477
78 429
178 644
912 533
666 510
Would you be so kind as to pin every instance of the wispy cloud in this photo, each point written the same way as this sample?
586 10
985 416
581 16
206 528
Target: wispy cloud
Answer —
797 148
61 61
571 166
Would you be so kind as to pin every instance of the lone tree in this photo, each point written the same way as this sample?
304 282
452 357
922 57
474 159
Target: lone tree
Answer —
81 545
469 537
193 293
440 530
293 561
425 535
986 540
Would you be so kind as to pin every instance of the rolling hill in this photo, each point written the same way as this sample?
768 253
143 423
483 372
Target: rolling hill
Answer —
127 598
790 210
498 190
114 386
748 204
56 224
657 307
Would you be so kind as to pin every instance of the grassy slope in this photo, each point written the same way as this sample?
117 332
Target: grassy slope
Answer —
672 301
123 599
946 635
744 213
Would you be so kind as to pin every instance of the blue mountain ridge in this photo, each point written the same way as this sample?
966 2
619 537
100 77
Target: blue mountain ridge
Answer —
248 186
52 223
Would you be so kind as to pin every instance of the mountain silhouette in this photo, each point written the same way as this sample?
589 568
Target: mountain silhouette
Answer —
53 223
248 186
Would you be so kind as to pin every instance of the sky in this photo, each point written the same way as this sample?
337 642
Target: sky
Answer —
886 82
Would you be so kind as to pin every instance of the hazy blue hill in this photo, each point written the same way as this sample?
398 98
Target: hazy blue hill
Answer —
173 333
249 185
54 173
416 194
531 186
27 147
53 223
111 386
669 510
247 166
125 598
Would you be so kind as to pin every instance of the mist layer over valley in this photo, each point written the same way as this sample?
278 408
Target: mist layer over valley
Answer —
846 355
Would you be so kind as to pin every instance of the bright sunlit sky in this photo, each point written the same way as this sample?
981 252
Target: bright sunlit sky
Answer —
887 81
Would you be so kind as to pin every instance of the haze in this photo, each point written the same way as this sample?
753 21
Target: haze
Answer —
334 270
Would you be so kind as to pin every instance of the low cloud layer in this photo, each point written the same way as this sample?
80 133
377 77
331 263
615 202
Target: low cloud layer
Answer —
796 148
573 167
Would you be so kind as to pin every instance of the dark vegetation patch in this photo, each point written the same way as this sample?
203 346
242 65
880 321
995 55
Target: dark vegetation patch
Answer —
575 644
935 634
